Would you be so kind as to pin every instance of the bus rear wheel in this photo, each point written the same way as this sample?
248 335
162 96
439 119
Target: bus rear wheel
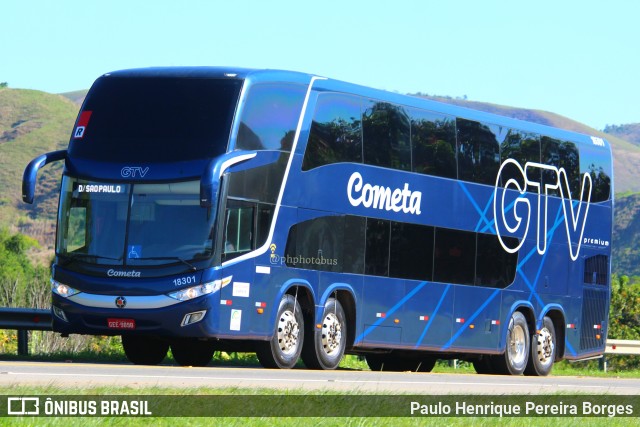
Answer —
144 350
543 350
283 350
192 352
326 349
516 355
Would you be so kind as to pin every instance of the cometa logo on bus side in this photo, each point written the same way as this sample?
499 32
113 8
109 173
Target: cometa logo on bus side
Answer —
380 197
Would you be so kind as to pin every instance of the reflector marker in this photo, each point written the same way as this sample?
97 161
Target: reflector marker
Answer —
597 326
495 322
261 304
225 302
424 318
571 325
381 315
459 320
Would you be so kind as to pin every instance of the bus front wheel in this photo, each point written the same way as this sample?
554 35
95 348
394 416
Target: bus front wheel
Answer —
283 350
326 349
144 350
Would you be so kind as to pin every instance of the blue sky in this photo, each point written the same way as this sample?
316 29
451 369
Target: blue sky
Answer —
575 58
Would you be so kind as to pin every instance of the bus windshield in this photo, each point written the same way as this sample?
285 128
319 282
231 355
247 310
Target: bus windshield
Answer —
133 224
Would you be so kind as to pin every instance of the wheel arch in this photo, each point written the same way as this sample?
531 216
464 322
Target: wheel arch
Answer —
302 291
346 297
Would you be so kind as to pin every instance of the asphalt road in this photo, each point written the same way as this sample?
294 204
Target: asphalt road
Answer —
87 375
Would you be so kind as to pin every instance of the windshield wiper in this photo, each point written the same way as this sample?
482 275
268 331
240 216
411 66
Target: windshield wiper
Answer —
74 257
167 258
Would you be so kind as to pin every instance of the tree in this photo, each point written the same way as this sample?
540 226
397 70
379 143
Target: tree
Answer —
624 317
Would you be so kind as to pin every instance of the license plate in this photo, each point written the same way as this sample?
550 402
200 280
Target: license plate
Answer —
121 323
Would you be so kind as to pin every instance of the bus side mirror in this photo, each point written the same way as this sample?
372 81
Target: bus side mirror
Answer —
31 172
210 180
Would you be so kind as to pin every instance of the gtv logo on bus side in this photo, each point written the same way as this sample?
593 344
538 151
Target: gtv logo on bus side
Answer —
514 216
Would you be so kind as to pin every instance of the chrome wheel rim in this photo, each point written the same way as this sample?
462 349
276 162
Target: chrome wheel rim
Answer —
288 333
545 347
517 346
331 334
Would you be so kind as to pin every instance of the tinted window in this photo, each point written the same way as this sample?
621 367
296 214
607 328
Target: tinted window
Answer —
495 267
478 151
238 230
246 227
523 147
387 136
433 138
455 256
260 183
316 244
597 165
354 244
561 154
156 119
336 132
377 247
270 117
411 251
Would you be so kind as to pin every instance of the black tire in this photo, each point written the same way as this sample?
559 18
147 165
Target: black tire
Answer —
543 350
283 350
192 352
516 355
324 348
144 350
396 363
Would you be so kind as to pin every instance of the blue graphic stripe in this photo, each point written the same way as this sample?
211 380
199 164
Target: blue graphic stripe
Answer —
433 316
519 268
470 320
391 311
559 220
473 202
484 213
568 346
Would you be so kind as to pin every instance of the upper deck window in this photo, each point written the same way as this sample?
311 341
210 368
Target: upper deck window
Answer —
270 116
336 131
156 119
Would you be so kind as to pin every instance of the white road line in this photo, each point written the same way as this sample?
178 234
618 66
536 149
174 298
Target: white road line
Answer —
307 380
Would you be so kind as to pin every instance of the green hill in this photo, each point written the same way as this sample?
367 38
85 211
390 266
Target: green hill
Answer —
630 132
626 248
31 123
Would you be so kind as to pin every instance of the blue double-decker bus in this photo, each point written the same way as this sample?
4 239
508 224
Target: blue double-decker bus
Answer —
296 216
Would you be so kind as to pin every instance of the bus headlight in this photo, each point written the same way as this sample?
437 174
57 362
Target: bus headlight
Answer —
62 289
197 291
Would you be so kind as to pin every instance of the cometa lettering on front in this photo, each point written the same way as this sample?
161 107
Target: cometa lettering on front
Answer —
122 273
380 197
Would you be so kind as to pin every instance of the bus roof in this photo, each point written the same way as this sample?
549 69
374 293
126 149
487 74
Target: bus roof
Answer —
265 75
